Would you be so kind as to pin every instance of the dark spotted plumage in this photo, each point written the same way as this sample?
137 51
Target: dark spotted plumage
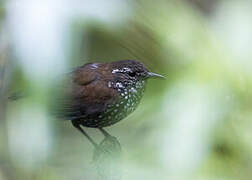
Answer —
102 94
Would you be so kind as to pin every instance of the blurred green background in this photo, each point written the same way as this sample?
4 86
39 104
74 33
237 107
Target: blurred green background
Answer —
195 125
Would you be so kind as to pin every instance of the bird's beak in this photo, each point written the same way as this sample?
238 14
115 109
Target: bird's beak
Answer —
155 75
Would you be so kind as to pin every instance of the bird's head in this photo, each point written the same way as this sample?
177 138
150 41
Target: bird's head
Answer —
132 70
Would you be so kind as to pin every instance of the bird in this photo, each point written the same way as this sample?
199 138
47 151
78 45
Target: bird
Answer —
101 94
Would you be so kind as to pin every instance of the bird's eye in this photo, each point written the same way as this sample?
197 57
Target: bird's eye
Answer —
132 74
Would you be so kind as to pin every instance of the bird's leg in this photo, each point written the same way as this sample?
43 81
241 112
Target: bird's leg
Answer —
105 133
77 125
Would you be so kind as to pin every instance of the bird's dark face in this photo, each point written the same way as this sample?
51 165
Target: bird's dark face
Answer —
132 71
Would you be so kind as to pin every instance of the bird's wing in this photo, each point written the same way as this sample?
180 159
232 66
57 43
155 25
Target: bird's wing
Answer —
88 96
92 99
84 75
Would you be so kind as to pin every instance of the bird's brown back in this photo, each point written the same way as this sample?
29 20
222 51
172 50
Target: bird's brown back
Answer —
88 93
